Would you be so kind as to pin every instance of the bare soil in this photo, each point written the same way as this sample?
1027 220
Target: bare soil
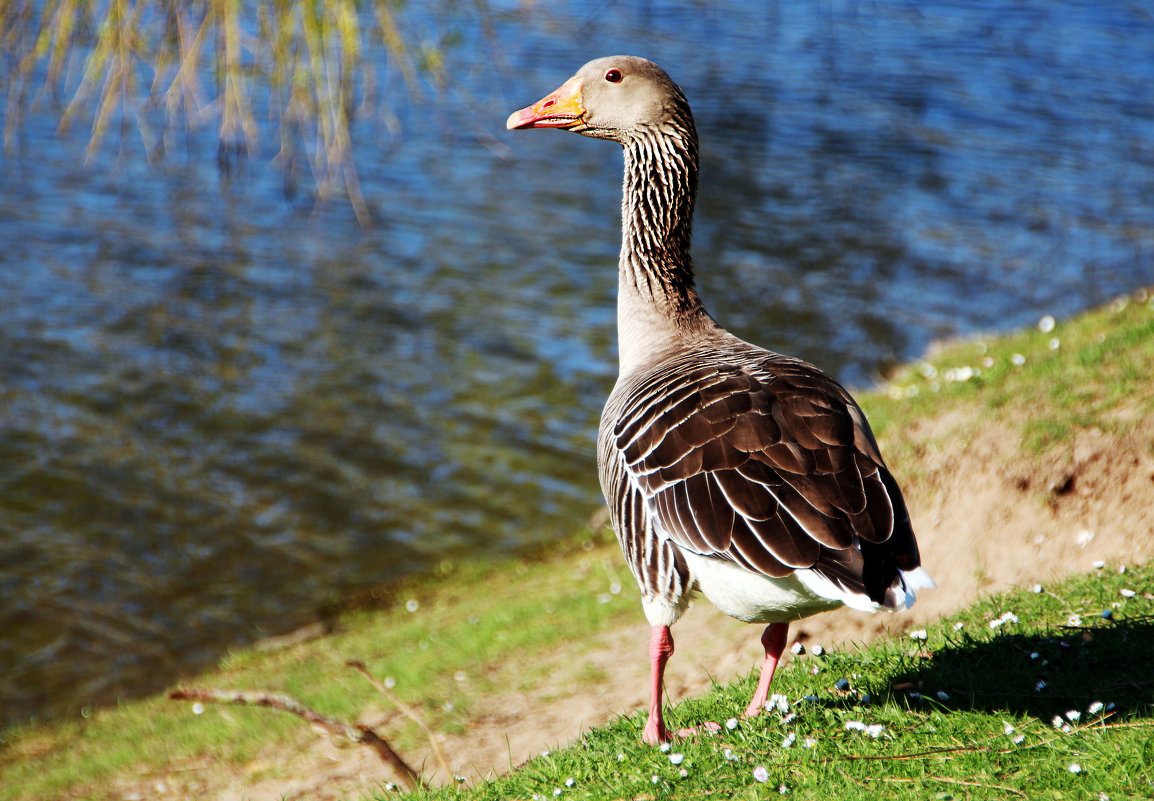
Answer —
987 516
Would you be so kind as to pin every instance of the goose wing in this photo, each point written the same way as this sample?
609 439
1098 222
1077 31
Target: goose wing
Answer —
767 462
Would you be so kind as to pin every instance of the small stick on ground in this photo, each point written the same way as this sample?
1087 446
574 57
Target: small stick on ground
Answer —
358 734
948 780
406 710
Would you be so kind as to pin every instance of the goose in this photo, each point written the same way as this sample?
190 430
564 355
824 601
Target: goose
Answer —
746 475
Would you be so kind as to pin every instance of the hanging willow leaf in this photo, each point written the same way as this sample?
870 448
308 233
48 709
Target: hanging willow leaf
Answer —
162 66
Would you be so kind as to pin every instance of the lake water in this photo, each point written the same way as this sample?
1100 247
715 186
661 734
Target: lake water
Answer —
223 410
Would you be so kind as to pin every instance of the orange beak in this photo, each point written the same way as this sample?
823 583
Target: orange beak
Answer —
559 109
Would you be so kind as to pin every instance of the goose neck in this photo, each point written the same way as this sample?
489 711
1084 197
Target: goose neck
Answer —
657 297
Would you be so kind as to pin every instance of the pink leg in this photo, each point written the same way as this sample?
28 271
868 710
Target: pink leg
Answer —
773 640
660 649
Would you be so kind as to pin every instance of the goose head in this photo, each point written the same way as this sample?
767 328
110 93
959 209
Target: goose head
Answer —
609 98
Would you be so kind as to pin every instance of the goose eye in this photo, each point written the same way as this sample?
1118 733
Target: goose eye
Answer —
613 76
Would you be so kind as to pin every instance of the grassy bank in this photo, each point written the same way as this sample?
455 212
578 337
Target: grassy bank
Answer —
439 642
458 636
1040 693
1046 382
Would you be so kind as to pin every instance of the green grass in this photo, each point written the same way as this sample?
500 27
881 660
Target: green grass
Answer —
1091 371
484 630
973 711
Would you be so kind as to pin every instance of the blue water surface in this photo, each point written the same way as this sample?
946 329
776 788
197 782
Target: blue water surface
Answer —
225 406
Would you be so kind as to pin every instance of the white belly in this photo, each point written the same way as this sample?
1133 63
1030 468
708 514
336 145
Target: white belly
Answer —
755 598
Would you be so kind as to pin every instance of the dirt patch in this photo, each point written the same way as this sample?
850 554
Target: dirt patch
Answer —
988 516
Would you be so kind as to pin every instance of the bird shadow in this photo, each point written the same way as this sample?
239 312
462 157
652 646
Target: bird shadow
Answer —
1040 674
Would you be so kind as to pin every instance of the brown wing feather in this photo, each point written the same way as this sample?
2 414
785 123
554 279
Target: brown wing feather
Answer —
765 461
